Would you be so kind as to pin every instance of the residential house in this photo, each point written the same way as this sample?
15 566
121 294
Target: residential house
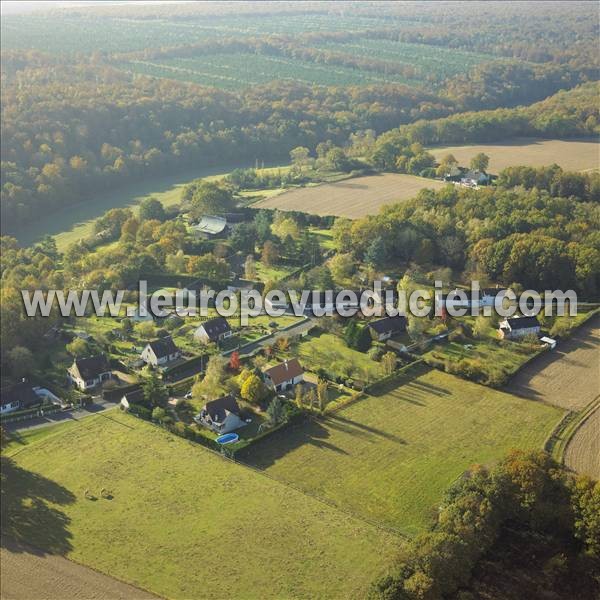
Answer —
221 415
18 397
284 375
213 330
475 178
518 327
468 299
210 227
132 397
384 329
89 372
454 173
160 352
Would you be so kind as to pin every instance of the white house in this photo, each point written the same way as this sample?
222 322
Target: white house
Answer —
89 372
518 327
210 226
474 178
213 330
221 415
284 375
467 299
160 352
18 397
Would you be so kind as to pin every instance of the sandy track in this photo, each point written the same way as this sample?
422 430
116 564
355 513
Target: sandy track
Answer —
571 155
568 376
583 451
30 576
351 198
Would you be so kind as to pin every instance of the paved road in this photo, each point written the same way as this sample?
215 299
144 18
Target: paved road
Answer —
63 416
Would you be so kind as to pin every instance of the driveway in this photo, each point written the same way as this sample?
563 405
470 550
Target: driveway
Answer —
99 405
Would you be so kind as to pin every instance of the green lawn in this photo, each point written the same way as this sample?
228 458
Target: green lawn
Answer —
223 530
277 273
390 457
329 352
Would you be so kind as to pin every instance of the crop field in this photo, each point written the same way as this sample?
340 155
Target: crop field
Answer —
389 457
234 70
166 497
571 155
429 62
352 198
582 453
569 376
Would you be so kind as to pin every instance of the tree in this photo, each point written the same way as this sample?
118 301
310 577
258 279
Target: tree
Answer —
250 267
127 326
176 263
482 327
159 414
322 394
212 384
388 363
21 361
299 392
310 397
300 157
234 361
210 198
270 254
146 330
357 337
416 327
275 411
376 253
154 390
480 162
342 266
252 389
78 348
151 209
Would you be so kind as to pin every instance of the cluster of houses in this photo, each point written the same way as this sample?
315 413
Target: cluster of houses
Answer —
467 177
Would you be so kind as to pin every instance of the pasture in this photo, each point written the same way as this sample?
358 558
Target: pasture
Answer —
223 530
391 456
352 198
571 155
569 376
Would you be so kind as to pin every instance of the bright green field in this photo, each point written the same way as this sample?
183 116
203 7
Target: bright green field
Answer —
390 457
183 522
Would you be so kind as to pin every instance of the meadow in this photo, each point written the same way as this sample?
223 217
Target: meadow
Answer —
352 198
571 155
234 532
391 456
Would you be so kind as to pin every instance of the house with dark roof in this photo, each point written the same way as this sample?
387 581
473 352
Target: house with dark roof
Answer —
135 396
160 352
213 330
518 327
18 397
221 415
89 372
284 375
384 329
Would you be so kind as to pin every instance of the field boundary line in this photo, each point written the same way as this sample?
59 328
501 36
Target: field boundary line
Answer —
590 409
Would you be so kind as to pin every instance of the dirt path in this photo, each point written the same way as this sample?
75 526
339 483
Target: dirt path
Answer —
568 376
27 575
583 451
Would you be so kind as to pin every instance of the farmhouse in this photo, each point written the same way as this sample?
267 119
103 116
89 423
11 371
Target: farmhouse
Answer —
213 330
518 327
383 329
210 226
284 375
475 178
221 415
18 397
160 352
89 372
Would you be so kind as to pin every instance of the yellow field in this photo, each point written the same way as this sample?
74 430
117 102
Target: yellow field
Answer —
570 155
352 198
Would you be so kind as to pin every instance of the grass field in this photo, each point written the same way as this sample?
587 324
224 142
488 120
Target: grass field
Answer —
571 155
223 530
390 457
351 198
569 376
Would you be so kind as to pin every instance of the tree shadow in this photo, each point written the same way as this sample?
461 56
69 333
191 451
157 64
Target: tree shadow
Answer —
27 511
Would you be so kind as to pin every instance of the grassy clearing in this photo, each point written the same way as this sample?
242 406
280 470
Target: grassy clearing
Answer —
390 457
224 530
329 352
571 155
352 198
